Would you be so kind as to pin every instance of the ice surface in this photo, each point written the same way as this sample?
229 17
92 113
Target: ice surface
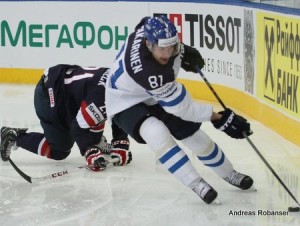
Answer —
142 193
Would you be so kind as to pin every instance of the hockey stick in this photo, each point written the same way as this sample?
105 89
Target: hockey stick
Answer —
270 168
53 175
248 139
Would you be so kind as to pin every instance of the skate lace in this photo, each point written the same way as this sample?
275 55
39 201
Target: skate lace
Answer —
235 178
202 188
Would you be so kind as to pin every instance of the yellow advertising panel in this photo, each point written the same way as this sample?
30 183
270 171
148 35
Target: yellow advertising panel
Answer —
278 66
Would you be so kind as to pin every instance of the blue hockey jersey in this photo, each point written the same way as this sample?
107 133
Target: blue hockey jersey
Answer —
77 101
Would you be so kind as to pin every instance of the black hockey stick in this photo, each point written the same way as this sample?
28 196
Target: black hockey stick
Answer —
53 175
248 139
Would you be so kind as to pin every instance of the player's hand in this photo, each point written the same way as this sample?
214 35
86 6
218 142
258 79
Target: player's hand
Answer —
192 59
232 124
121 151
95 159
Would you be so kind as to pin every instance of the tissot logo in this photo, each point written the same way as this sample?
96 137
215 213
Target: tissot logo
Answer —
269 39
207 30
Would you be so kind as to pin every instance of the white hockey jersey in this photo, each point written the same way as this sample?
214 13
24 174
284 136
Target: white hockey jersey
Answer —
136 77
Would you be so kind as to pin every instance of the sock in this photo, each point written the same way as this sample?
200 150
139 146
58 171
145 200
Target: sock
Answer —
173 158
217 161
209 153
177 162
35 143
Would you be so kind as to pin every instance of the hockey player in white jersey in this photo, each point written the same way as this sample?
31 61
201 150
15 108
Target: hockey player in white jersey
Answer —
145 100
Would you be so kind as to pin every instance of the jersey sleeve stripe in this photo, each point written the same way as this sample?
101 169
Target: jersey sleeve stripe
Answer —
117 74
121 51
174 102
87 118
119 71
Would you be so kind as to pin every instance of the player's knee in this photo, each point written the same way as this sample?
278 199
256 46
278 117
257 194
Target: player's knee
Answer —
155 133
59 154
200 143
181 129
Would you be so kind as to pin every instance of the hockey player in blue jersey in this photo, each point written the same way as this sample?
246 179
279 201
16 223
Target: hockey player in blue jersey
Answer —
145 100
69 101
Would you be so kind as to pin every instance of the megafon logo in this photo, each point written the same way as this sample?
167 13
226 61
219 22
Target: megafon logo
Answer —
212 31
269 58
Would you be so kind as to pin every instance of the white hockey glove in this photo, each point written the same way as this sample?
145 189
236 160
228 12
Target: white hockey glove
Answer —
121 151
95 159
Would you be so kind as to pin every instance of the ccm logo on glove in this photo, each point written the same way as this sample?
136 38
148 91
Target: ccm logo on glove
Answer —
121 151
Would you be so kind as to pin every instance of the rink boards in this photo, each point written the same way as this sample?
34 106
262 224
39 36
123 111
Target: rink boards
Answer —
251 50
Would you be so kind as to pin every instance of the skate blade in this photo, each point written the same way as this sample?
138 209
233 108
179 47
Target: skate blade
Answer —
217 202
252 189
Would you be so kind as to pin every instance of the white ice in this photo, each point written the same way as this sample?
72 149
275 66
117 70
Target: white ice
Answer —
142 193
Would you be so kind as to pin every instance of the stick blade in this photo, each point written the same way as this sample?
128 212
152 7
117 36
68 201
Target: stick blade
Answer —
20 172
294 209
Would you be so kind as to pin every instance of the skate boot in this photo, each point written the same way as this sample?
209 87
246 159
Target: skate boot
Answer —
239 180
104 146
8 141
205 191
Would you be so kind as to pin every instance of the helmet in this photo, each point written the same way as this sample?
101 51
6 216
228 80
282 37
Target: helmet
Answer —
160 31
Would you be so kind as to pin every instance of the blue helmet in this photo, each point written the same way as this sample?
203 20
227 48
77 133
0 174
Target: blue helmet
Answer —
160 31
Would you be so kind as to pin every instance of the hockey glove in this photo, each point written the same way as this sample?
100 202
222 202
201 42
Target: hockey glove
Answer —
95 159
121 151
192 59
232 124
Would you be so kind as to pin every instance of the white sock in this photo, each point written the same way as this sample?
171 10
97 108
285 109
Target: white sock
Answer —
209 153
158 137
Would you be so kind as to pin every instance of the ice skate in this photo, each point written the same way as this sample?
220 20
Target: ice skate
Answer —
104 146
8 141
205 191
239 180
